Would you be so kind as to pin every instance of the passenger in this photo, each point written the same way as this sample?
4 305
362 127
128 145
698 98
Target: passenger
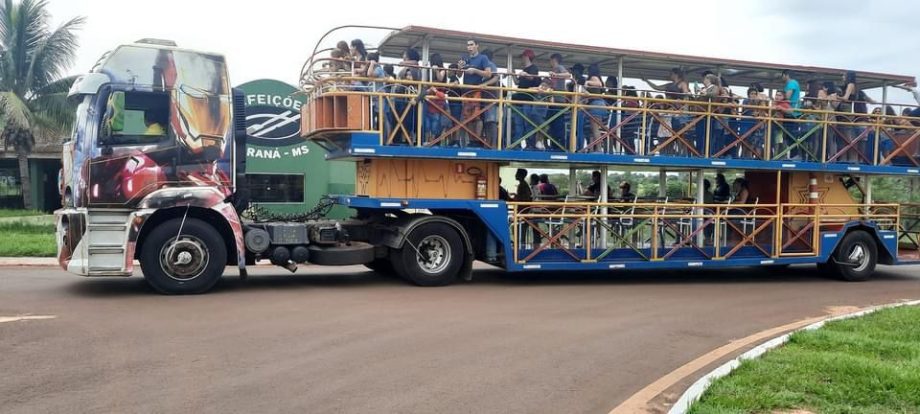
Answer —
708 197
709 93
339 63
625 192
435 119
594 190
490 116
374 71
849 103
612 88
358 54
723 192
435 108
782 140
438 73
526 78
524 191
407 105
410 63
342 47
502 192
578 78
476 70
760 91
751 117
547 188
915 91
390 71
534 185
558 74
741 192
456 106
595 86
678 85
630 129
814 100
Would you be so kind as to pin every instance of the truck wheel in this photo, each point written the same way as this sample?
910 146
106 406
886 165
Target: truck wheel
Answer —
855 257
191 263
432 255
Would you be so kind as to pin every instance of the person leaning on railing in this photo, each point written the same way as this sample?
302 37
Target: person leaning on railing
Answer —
915 91
476 69
526 78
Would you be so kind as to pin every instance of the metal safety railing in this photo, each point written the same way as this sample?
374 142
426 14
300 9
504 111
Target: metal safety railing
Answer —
431 114
590 232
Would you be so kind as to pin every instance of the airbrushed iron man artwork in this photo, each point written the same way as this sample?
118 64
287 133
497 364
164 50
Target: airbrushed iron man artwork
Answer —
165 121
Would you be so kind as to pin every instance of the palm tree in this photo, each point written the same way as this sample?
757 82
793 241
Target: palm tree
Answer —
33 95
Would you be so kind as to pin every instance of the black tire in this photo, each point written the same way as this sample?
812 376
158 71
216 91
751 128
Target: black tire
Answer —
355 253
855 257
444 252
204 248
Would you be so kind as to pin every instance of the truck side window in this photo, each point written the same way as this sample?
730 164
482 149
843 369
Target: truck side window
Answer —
135 118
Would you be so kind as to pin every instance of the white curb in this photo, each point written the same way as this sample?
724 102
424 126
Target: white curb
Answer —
695 391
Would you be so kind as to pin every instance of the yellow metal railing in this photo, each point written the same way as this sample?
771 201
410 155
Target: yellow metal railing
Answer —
428 114
590 232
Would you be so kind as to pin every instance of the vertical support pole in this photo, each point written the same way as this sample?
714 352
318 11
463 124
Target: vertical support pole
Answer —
662 183
878 125
506 109
605 198
700 199
620 101
426 50
426 77
778 224
573 181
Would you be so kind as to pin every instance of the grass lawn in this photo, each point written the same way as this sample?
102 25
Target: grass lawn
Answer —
19 213
27 239
864 365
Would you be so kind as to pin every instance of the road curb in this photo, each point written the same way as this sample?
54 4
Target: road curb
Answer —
28 261
696 390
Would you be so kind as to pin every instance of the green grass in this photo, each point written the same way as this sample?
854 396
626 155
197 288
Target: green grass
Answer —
19 213
25 239
864 365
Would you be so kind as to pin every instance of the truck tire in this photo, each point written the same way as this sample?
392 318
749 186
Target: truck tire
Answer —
191 263
355 253
432 255
855 257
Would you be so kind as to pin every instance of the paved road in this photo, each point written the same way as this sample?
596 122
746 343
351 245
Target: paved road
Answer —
347 340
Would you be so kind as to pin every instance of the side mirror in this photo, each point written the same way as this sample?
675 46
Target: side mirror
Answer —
115 113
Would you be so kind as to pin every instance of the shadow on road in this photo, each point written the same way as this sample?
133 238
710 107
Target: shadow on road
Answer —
266 279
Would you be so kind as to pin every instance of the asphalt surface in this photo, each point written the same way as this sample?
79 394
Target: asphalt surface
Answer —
347 340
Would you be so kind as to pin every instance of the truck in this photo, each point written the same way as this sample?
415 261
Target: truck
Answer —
155 171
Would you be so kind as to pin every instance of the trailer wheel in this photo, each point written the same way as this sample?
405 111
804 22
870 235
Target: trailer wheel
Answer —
855 257
432 255
191 263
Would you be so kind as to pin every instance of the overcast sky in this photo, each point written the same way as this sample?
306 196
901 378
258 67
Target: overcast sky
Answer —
273 38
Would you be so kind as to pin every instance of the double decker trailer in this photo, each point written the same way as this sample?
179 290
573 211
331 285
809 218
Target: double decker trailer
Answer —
155 169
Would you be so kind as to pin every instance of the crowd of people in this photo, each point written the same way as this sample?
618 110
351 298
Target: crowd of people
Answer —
474 78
